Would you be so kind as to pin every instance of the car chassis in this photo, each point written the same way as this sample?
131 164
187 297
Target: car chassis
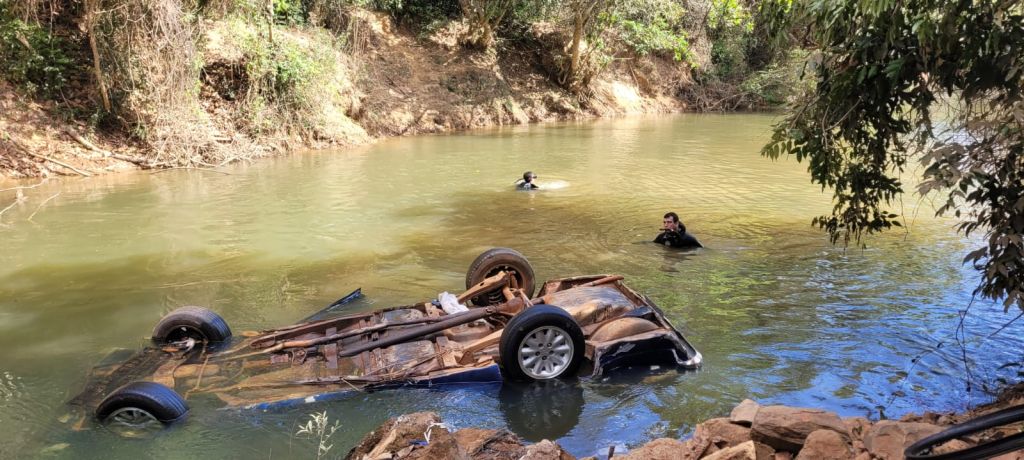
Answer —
579 326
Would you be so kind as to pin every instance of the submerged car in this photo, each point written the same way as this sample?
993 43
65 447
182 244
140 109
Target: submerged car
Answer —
574 327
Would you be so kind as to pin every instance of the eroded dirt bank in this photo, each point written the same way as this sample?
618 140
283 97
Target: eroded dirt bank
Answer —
389 83
750 432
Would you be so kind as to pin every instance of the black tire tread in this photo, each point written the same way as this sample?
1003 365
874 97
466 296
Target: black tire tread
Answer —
212 326
519 326
487 260
164 403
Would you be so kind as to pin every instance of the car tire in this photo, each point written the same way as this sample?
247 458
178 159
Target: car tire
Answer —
191 322
542 342
138 403
490 263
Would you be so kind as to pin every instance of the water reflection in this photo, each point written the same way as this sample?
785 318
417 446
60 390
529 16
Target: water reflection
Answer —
541 410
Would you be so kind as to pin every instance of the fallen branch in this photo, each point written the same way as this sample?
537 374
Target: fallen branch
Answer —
139 161
58 162
44 157
41 205
85 143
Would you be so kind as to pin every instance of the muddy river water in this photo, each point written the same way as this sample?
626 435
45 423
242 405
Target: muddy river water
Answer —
780 315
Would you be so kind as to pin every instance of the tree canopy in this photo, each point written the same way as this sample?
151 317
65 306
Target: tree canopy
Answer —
935 81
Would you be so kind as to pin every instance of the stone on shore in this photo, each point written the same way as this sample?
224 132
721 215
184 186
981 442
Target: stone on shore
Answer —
658 449
545 450
393 436
749 450
888 439
744 413
786 428
716 434
826 445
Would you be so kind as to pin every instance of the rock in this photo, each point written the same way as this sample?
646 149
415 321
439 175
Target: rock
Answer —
658 449
749 450
888 439
719 433
744 413
951 446
786 428
826 445
394 435
857 427
1010 456
783 455
545 450
490 444
442 445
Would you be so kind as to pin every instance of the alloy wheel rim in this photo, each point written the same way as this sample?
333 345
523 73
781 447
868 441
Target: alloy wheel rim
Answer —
133 417
545 353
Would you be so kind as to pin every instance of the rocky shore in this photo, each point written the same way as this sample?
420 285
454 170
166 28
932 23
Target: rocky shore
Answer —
751 432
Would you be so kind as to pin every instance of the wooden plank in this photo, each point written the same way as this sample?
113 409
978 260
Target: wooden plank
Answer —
445 354
331 350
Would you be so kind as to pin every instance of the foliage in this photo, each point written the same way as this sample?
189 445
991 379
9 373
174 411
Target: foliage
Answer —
148 59
884 72
423 15
730 25
588 20
319 427
651 26
33 58
287 79
777 84
483 17
530 11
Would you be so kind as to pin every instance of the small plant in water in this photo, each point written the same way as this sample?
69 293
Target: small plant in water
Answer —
319 428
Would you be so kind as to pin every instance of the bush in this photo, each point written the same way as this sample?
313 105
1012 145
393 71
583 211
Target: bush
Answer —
774 86
651 26
286 80
33 58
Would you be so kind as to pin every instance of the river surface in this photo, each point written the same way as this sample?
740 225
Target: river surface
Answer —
780 315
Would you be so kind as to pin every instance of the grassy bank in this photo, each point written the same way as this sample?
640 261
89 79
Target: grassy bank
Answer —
98 85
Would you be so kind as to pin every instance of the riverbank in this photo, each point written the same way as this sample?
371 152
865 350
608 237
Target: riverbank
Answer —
750 432
387 82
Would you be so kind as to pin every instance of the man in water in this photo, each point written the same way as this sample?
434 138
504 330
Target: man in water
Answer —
673 233
527 183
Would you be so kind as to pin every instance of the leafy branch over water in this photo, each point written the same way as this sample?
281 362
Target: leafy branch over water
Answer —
935 80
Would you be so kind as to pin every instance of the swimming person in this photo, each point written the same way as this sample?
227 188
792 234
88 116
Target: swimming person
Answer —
673 233
526 183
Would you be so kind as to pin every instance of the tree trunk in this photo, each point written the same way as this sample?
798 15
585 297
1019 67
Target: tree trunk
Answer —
574 61
91 8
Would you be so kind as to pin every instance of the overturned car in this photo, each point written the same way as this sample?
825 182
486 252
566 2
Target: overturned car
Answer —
580 326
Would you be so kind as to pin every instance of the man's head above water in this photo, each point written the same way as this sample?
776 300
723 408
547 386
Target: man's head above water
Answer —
529 176
670 221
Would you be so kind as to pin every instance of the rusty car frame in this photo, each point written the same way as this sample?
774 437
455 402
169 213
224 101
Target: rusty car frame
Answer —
575 327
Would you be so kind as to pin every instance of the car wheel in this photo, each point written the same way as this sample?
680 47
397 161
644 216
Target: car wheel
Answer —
542 342
493 261
191 322
142 404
